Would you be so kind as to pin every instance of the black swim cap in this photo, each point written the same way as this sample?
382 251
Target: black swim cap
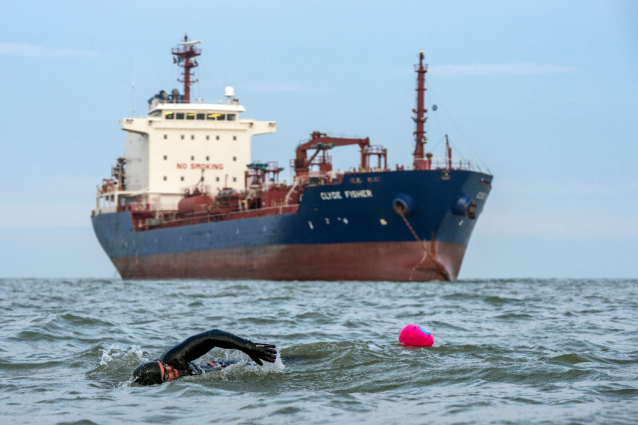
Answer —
148 373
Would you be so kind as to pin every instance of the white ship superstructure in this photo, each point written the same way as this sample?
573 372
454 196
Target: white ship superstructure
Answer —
178 145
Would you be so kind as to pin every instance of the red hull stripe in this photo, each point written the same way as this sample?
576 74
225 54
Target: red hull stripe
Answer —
375 261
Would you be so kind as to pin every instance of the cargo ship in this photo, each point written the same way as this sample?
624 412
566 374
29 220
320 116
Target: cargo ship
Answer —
187 201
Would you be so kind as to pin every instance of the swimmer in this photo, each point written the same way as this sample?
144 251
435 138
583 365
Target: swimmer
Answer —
177 361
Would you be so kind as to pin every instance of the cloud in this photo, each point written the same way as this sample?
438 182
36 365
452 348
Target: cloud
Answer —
21 49
487 68
283 87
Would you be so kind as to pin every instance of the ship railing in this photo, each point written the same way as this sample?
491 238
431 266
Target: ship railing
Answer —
107 188
365 170
145 206
146 223
448 164
319 178
203 189
165 98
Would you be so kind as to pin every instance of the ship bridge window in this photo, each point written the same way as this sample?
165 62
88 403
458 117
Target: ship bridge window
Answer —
179 116
169 115
231 117
201 116
211 117
190 116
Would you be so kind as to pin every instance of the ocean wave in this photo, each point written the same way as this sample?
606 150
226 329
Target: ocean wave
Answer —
562 349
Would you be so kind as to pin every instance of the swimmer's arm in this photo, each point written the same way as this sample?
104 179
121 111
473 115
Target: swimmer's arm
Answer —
197 345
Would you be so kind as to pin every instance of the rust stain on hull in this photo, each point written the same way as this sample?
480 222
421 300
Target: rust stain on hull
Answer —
392 261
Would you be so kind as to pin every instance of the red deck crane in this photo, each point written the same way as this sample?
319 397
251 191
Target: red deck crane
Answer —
322 143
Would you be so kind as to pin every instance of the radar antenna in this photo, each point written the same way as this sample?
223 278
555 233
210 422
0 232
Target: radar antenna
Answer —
185 54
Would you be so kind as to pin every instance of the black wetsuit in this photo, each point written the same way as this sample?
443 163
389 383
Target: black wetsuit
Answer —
181 356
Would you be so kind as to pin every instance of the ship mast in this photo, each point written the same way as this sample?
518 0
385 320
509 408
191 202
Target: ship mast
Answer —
185 54
420 119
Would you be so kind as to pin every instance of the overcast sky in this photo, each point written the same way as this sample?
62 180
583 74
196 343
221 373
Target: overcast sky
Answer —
544 94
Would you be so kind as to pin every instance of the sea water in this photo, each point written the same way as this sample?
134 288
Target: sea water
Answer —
505 351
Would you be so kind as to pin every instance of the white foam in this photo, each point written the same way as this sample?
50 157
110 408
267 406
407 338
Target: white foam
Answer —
114 352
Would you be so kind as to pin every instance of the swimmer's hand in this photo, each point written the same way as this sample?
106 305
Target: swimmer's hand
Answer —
259 352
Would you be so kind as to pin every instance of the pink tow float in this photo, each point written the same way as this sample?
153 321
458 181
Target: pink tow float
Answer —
416 336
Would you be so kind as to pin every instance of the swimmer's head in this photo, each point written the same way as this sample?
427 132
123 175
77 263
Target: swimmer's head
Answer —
149 373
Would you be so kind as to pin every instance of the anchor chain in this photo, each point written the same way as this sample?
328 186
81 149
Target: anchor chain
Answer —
425 249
